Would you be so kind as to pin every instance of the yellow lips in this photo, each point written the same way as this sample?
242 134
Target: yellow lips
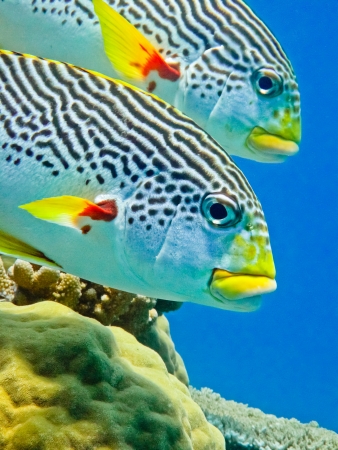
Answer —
262 141
235 286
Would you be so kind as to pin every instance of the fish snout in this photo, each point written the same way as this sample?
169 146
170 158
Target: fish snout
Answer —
236 286
278 139
274 147
251 281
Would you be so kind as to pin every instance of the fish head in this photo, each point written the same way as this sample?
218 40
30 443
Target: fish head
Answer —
203 244
257 115
251 96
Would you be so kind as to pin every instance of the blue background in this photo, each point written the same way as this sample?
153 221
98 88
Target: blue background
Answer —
284 358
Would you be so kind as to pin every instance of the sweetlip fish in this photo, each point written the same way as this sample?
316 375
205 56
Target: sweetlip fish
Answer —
116 186
212 59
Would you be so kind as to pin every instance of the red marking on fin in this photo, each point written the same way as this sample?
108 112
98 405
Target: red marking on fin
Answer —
105 210
151 86
85 229
156 62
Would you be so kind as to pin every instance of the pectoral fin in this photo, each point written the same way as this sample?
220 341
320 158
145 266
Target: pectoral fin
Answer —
67 210
128 50
11 246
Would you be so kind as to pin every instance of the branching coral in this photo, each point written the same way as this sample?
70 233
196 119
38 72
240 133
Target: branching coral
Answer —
6 285
43 283
68 290
247 428
109 306
66 382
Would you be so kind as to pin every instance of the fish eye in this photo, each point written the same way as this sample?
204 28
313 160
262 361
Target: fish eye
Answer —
221 210
267 82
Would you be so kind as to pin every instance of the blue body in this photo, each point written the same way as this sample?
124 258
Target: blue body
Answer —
284 358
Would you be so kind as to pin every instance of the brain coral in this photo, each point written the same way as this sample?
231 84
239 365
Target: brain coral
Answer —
247 428
70 383
159 339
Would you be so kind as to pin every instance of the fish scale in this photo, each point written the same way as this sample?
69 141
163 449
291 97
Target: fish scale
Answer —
136 172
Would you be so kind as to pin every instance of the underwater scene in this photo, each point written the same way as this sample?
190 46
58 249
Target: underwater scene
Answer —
283 358
167 253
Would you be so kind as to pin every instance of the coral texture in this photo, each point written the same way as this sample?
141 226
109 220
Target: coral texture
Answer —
68 382
158 338
6 285
247 428
26 284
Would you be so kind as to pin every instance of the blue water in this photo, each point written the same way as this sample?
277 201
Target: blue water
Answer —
284 358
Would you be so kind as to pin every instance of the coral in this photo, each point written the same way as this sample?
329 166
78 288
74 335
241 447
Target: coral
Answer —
247 428
43 283
105 304
23 274
137 317
134 313
109 306
7 287
158 338
68 290
44 279
68 382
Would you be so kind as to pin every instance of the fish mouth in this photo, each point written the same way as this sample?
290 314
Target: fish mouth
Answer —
231 288
272 147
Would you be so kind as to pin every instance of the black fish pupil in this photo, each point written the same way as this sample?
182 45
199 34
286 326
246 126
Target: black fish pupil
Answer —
265 83
218 211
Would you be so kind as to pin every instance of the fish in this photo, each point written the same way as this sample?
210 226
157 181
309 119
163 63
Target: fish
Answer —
112 184
214 60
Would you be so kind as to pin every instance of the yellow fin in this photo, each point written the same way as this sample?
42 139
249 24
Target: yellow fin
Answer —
66 210
11 246
128 50
62 210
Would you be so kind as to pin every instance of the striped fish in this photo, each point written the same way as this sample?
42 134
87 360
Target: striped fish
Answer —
212 59
116 186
